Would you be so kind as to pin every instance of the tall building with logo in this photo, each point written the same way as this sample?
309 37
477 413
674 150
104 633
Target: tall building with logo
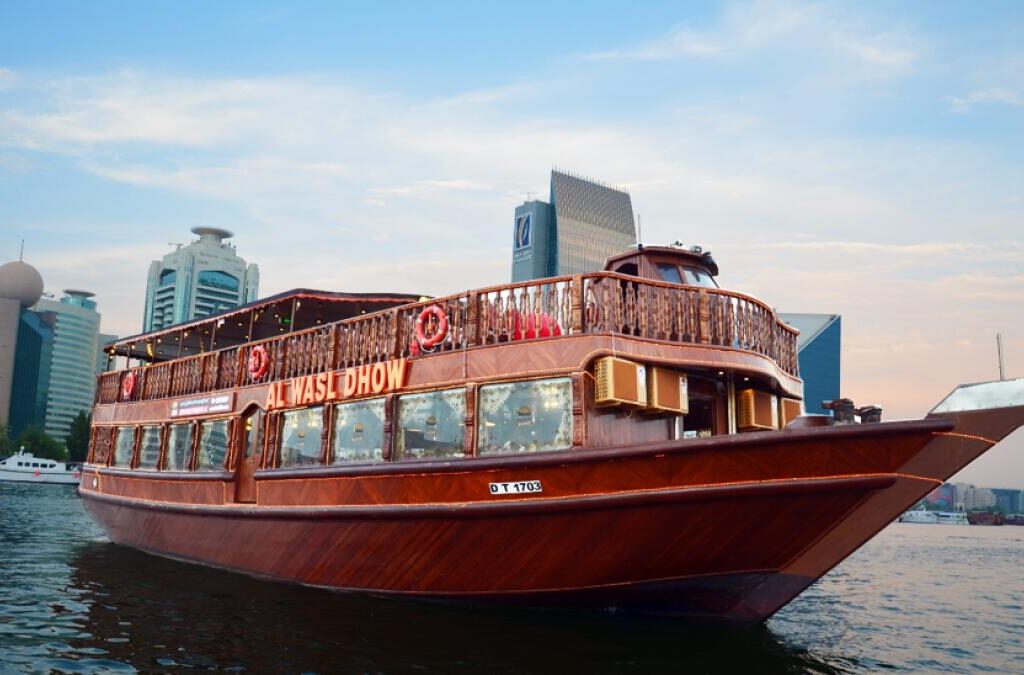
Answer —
72 373
584 223
818 356
202 278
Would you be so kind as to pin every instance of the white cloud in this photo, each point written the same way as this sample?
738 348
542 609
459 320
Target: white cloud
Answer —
748 28
996 95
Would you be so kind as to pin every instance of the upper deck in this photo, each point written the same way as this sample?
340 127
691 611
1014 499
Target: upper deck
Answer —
718 325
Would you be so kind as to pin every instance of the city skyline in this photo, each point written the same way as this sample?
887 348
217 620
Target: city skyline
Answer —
862 161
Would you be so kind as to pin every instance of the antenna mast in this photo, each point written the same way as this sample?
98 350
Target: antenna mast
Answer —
999 347
21 254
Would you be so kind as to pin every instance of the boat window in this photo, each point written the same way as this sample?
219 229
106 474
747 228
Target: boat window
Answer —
179 447
698 277
124 445
213 445
301 431
35 464
431 425
669 273
149 448
358 432
525 417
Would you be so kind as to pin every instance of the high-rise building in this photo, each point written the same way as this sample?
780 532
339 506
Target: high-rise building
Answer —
202 278
1008 500
818 356
72 384
26 339
584 223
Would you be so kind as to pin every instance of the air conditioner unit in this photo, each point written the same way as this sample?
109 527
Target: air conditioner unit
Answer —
789 410
620 382
756 410
666 391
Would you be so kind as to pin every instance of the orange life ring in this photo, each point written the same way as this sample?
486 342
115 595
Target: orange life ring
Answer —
442 327
128 385
259 362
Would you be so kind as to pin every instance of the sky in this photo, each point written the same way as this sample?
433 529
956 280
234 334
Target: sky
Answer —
863 159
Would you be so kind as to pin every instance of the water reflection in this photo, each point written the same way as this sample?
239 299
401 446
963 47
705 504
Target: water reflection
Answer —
157 614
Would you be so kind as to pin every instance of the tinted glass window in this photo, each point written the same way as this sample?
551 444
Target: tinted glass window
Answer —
213 279
179 447
149 447
358 432
669 273
431 425
525 416
301 431
698 277
167 277
123 446
213 445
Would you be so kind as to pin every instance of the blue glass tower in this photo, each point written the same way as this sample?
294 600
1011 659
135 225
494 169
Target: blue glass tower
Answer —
818 355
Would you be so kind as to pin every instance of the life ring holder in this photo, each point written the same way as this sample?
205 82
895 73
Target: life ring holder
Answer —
259 362
429 342
128 385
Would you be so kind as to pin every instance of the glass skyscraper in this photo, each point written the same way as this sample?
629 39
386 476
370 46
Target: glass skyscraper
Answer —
584 224
200 279
72 368
818 356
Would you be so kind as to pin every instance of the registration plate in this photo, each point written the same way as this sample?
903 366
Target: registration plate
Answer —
519 487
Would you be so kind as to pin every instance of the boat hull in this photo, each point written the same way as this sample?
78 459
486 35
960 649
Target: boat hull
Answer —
730 527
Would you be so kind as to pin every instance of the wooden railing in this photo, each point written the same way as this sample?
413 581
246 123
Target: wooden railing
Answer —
592 303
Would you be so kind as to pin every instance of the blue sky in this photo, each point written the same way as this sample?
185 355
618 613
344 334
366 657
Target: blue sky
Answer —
857 158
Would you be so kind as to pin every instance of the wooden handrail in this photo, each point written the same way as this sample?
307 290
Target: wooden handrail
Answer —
603 302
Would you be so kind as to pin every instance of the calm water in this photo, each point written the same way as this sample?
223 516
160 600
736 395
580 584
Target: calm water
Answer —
918 598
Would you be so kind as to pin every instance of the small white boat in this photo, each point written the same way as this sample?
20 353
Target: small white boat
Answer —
952 518
24 467
919 515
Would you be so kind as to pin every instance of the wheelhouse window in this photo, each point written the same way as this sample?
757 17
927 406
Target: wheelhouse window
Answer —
431 425
149 448
213 445
123 446
698 277
301 431
179 447
358 432
669 273
525 417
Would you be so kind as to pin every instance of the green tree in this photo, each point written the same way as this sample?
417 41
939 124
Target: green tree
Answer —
78 437
41 444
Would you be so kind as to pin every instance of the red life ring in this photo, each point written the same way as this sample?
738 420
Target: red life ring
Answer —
128 385
258 362
442 327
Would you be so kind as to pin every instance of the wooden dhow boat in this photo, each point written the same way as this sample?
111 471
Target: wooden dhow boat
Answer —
630 439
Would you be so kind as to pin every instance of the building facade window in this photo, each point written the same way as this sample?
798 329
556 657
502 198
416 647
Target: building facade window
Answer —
301 432
358 432
431 425
531 416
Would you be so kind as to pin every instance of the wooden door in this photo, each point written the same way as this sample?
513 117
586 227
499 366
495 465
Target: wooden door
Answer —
251 438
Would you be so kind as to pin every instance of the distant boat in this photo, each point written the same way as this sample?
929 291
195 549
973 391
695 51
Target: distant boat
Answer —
24 467
919 515
952 518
